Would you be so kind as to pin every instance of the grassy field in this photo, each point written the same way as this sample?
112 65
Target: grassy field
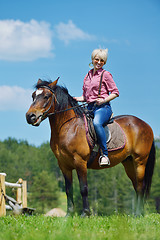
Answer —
119 227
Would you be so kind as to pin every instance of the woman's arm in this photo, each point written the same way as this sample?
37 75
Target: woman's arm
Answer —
100 100
79 99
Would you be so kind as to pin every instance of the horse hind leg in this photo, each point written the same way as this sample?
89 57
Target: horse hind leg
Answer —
144 170
136 175
130 170
140 171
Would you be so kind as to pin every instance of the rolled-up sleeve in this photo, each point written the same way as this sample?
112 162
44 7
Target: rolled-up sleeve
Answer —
110 84
84 89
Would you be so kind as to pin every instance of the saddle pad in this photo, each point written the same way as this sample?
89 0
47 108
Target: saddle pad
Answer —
117 139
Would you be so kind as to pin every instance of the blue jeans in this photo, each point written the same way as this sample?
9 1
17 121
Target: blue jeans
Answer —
102 114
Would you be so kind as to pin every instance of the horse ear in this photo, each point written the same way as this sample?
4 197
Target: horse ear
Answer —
53 83
39 81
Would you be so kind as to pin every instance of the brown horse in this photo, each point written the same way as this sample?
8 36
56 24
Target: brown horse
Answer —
69 143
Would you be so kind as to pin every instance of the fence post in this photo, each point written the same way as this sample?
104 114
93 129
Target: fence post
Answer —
19 192
2 193
24 194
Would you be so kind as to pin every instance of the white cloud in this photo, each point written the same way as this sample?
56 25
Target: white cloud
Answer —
14 98
20 41
28 41
69 31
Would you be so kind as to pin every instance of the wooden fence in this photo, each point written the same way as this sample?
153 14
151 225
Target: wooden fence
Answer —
21 195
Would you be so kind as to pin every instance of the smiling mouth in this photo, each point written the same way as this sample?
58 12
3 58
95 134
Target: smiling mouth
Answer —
98 65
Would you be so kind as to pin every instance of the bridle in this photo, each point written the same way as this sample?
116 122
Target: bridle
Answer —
46 113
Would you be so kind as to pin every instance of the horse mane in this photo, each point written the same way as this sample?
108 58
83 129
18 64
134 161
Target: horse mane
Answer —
63 98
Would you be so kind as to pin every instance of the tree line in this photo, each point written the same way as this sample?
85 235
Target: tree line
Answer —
110 190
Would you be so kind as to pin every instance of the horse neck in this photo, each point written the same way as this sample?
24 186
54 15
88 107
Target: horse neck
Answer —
60 119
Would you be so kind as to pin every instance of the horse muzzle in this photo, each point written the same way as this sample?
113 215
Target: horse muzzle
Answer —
33 119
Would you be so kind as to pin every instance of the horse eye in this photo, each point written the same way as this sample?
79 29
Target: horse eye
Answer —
46 97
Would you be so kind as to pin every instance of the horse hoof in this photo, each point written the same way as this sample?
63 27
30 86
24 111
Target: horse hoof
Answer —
69 214
86 213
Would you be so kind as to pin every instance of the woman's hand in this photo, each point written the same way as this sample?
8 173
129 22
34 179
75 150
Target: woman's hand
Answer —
79 99
100 101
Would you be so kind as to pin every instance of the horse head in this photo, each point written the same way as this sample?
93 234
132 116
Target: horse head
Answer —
43 99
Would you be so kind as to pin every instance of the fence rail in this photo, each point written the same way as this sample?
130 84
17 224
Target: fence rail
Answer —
21 194
13 185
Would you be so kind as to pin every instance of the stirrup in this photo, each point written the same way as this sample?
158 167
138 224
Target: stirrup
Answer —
103 161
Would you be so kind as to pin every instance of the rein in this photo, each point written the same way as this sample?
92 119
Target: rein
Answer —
53 99
67 109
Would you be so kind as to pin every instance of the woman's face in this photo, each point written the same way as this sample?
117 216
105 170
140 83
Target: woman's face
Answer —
98 62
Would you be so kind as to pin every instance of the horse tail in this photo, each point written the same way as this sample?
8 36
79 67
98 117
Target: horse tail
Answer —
149 171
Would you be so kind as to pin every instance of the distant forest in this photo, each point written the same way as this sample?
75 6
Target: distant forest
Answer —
110 190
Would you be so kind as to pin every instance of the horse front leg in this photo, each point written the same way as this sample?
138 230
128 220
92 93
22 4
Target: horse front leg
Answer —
82 176
69 192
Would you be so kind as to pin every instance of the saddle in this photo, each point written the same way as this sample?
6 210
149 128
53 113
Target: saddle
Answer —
114 134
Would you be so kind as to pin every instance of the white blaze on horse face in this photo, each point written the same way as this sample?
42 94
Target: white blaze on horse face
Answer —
38 92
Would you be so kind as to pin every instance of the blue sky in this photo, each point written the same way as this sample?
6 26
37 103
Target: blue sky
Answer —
50 39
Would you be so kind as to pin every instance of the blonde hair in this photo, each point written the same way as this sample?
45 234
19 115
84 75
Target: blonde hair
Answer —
101 53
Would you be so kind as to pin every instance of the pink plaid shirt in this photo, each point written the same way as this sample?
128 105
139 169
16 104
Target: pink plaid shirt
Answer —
91 85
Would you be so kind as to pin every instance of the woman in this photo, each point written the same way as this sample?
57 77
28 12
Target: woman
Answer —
98 97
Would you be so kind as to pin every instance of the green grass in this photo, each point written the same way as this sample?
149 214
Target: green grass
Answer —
118 227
